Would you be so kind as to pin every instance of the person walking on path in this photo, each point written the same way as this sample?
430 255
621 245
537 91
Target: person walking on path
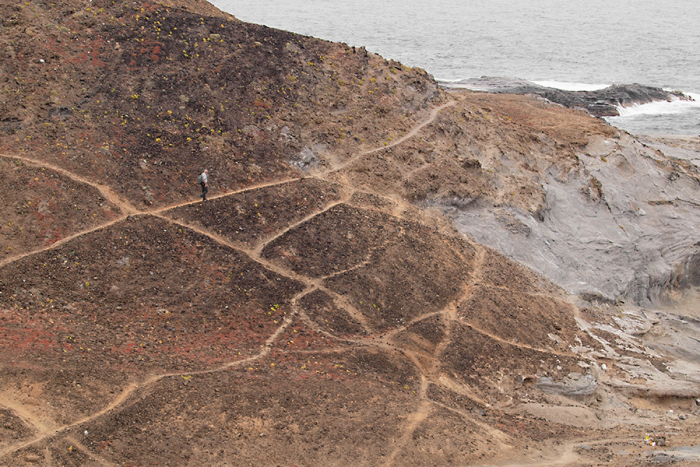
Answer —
204 181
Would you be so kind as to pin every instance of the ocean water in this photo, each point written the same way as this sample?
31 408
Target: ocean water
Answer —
564 44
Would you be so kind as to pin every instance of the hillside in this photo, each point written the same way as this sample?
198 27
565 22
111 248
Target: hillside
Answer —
342 297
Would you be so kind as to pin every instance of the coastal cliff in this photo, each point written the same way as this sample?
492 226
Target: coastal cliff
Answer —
384 272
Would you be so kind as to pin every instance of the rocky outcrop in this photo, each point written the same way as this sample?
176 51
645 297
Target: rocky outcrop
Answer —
618 226
601 103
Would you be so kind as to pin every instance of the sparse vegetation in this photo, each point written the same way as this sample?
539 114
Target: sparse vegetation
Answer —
309 312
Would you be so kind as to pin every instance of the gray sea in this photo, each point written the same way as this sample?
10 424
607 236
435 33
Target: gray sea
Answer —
575 45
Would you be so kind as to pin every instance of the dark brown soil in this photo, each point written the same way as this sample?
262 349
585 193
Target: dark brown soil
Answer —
243 417
499 271
12 429
504 313
486 364
314 310
251 216
322 309
334 241
142 97
144 292
417 272
423 336
41 207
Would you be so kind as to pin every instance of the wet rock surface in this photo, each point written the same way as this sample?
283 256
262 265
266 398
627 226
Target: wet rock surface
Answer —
600 103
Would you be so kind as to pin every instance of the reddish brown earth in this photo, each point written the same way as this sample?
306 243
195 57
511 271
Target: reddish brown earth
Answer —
309 312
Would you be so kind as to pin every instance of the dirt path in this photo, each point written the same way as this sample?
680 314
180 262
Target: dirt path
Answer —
515 344
433 115
29 418
504 441
344 304
250 253
222 195
414 422
129 209
104 190
45 433
61 242
257 251
424 404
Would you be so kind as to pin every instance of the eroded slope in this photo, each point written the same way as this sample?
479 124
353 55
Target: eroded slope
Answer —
312 311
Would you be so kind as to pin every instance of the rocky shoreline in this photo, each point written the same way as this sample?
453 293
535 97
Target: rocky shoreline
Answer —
600 103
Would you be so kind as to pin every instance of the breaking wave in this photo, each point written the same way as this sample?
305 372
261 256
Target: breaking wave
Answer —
572 86
675 106
673 117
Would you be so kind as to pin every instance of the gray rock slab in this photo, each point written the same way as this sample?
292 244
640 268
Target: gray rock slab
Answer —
640 238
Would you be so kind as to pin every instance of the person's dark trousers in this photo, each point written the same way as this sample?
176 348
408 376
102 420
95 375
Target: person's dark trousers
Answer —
204 191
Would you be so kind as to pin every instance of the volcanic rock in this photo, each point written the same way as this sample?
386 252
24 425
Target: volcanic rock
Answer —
601 103
384 273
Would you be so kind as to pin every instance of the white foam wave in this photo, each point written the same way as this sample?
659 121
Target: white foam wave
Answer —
675 106
572 86
449 81
458 83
